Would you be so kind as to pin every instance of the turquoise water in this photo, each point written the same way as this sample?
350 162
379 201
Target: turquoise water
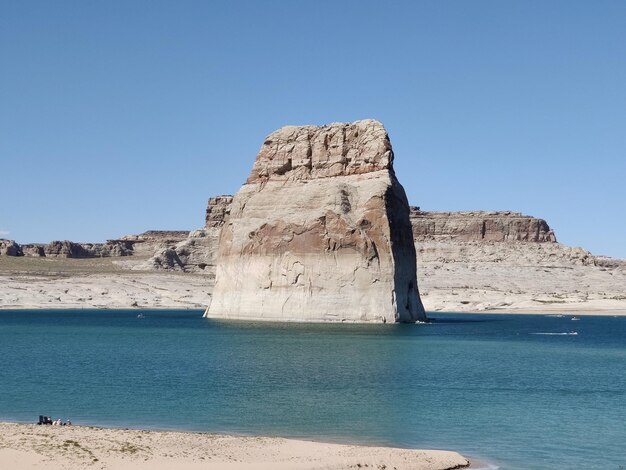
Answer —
484 385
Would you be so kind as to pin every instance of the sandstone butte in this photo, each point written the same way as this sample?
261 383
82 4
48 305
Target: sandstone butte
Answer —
320 231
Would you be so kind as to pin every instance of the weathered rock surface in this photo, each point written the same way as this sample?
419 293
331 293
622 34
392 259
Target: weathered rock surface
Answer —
157 235
197 253
153 242
320 231
68 249
217 211
65 249
483 275
33 249
9 248
479 226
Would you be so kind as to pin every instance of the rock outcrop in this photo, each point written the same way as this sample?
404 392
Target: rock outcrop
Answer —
217 211
68 249
153 243
65 249
479 226
320 231
197 252
10 248
33 249
157 235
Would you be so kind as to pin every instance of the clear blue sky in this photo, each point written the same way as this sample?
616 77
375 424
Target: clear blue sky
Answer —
122 116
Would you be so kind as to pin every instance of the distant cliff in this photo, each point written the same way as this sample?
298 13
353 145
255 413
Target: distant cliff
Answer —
124 246
485 226
494 226
479 226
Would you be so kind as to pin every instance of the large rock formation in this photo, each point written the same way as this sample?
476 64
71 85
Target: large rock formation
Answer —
479 226
320 231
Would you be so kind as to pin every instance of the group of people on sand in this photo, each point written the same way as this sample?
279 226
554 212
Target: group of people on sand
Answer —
56 422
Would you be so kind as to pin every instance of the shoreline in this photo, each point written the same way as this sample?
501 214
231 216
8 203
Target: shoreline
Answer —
25 446
463 286
578 310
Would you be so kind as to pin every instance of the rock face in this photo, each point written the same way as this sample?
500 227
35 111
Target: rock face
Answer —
157 235
33 249
195 254
68 249
217 211
479 226
10 248
320 231
153 243
197 251
65 249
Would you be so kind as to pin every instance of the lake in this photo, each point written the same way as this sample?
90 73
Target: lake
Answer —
515 390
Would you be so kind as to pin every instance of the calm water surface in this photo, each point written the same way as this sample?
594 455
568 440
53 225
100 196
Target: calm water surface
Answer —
486 385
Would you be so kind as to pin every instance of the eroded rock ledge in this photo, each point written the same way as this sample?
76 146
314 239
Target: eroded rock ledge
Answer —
498 226
319 232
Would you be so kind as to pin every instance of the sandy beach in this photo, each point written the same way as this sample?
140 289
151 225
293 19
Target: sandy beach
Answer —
29 446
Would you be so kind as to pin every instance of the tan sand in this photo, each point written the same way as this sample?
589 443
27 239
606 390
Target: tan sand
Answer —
28 446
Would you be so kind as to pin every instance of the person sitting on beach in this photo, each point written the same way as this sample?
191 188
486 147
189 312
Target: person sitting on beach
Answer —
68 422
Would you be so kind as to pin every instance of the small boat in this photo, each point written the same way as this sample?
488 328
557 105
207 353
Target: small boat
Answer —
572 333
141 315
575 318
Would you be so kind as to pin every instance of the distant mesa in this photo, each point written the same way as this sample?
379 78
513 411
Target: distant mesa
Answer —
124 246
154 235
319 232
479 226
